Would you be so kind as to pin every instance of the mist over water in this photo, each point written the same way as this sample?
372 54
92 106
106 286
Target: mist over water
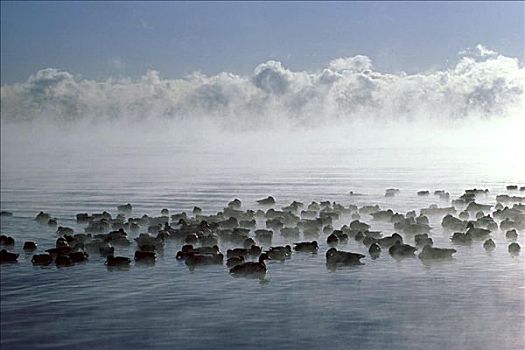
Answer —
475 107
482 84
71 145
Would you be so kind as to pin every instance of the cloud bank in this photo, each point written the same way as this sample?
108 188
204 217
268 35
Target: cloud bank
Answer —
483 84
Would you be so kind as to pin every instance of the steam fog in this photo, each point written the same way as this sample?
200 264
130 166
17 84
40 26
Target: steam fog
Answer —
482 84
276 115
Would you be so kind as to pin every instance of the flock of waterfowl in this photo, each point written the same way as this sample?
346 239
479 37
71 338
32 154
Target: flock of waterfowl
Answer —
200 236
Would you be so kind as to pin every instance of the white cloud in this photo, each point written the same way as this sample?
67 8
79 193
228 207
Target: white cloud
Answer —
357 63
482 84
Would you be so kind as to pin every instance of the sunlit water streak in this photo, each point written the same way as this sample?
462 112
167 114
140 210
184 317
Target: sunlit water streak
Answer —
475 301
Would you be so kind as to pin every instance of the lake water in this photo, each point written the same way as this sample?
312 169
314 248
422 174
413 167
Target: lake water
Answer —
475 301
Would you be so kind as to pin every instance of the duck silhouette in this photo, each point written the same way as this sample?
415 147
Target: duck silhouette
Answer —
251 269
7 257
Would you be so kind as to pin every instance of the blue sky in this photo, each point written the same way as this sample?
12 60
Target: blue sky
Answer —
98 39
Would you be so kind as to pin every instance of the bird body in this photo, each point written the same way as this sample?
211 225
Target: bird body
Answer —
436 253
338 257
251 269
307 247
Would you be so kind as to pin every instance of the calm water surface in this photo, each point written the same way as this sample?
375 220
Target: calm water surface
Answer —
475 301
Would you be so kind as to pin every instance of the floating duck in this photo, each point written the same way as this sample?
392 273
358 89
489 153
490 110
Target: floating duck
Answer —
117 261
145 257
251 269
6 240
436 253
267 201
489 245
511 235
125 207
514 248
336 257
374 250
279 253
63 261
332 240
461 238
402 250
307 247
42 259
7 257
203 259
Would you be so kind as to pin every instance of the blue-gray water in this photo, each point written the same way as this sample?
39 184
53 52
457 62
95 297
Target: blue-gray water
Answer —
476 301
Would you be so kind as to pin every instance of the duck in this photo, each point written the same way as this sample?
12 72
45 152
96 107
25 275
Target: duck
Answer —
511 235
478 233
332 240
359 226
125 207
83 218
343 237
117 261
7 257
461 238
42 217
374 250
489 244
338 257
391 192
235 204
63 261
42 259
514 248
430 252
307 247
267 201
251 269
423 240
6 240
145 257
388 241
61 230
402 250
194 260
279 253
182 255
